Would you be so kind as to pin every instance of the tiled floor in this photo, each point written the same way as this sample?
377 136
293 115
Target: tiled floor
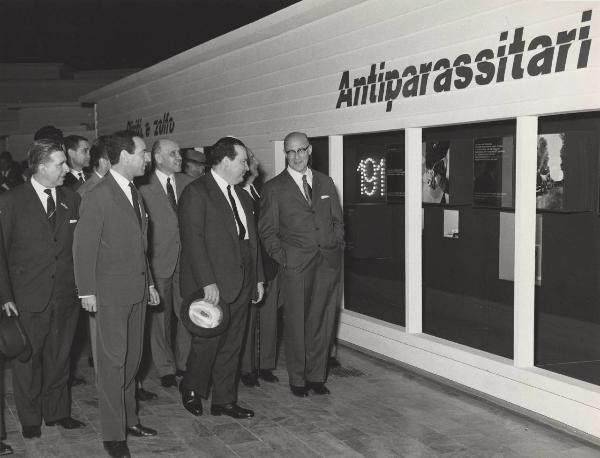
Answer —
375 409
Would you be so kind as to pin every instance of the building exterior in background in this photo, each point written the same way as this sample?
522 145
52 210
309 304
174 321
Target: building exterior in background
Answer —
464 138
34 95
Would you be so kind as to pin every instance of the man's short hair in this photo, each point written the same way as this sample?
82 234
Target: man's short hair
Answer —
224 147
40 152
72 141
49 132
99 150
119 141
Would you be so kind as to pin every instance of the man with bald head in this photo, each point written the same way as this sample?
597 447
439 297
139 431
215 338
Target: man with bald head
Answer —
161 197
301 227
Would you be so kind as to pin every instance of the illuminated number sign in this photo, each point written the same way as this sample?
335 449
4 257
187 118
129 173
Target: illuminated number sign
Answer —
372 177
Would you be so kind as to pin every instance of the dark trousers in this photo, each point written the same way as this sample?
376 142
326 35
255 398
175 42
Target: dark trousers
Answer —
120 335
309 306
215 360
40 385
260 345
2 423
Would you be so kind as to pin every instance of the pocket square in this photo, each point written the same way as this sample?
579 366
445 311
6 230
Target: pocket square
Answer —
71 221
326 196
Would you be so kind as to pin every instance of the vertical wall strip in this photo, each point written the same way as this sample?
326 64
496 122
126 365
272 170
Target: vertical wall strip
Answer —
525 220
413 230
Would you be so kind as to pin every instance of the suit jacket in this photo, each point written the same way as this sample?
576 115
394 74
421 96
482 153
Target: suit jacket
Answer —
163 230
71 181
92 181
39 258
293 232
210 248
109 248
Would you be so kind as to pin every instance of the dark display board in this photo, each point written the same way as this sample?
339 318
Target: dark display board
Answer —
319 159
493 172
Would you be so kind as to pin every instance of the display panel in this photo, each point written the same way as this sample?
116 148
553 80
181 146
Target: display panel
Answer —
319 159
467 274
567 311
374 224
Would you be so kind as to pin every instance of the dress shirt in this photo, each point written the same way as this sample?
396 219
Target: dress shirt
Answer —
251 189
162 177
297 176
39 190
76 173
123 184
223 187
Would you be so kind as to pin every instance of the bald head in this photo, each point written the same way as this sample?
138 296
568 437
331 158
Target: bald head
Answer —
297 151
166 156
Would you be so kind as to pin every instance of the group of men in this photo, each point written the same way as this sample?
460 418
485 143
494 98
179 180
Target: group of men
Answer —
114 248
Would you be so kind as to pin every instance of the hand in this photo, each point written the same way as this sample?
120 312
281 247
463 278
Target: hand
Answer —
211 293
154 297
10 307
89 303
260 288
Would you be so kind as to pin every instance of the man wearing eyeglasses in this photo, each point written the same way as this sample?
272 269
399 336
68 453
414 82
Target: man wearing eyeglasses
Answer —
301 226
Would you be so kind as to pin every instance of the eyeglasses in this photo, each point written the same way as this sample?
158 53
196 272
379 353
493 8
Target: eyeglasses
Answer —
299 151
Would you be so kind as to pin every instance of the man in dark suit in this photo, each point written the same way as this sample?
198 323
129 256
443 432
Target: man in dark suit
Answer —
113 279
161 196
78 151
10 172
259 354
219 255
37 221
9 308
301 227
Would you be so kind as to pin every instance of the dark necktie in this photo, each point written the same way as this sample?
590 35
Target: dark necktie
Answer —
50 208
171 194
241 228
307 190
81 180
136 203
253 193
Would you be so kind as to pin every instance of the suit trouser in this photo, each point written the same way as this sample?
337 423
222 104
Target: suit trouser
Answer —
40 385
120 336
216 359
266 356
309 306
2 428
168 356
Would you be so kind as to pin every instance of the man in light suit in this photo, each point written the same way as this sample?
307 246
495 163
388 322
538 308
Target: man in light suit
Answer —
301 227
114 280
161 196
38 219
219 255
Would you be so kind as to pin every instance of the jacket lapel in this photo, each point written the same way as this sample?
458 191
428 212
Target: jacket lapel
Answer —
122 201
220 201
316 188
297 192
37 208
62 210
160 193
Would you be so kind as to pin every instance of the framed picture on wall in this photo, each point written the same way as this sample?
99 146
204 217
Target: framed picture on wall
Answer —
436 172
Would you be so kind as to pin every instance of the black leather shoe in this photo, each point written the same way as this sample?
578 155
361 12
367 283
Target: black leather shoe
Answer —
5 449
300 391
191 401
143 395
267 376
29 432
141 431
67 423
333 362
249 379
317 387
232 410
168 380
117 449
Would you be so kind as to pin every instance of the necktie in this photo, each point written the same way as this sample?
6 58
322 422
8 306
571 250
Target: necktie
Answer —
136 203
253 193
171 194
50 208
81 180
307 190
241 228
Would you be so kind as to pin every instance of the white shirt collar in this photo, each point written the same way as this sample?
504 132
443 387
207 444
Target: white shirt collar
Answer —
162 177
297 176
39 190
220 181
222 184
